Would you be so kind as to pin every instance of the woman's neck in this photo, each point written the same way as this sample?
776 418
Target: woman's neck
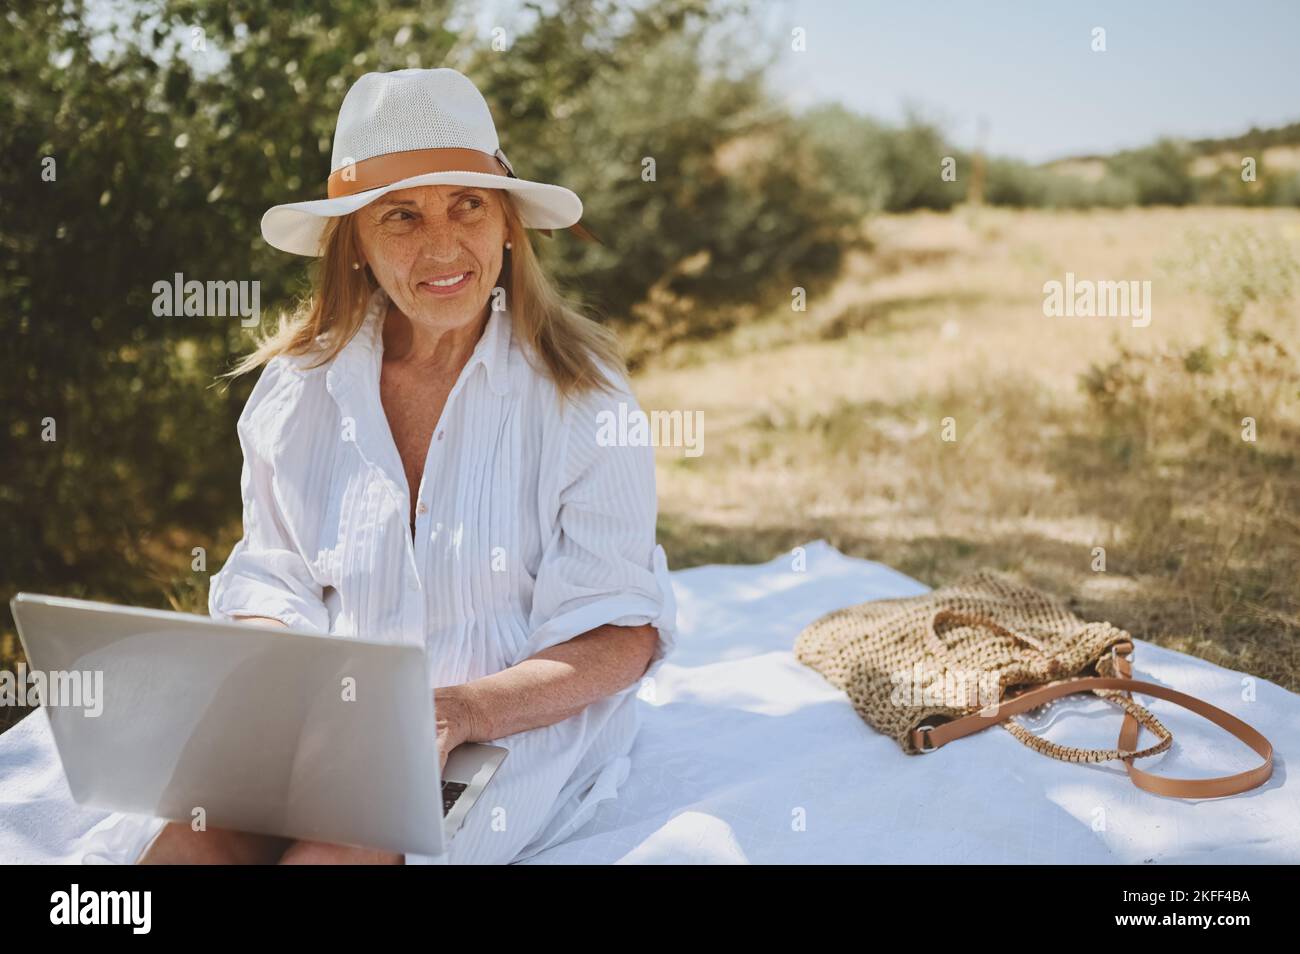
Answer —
422 347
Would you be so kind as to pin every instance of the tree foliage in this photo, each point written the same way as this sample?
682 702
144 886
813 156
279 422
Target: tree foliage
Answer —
171 126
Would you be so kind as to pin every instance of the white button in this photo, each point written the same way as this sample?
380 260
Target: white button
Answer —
423 508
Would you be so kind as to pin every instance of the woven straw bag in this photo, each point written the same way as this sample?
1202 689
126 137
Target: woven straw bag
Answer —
928 669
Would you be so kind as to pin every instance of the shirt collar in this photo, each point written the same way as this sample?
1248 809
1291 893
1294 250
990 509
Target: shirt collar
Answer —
493 350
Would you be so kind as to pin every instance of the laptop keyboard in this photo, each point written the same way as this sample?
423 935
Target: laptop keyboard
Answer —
450 792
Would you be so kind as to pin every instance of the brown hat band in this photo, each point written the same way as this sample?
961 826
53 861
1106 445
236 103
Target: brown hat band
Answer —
384 170
380 171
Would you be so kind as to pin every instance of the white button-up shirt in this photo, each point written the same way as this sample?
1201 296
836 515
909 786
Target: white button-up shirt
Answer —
529 531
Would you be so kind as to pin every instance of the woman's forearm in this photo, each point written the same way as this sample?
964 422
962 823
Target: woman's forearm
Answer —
544 689
556 683
259 619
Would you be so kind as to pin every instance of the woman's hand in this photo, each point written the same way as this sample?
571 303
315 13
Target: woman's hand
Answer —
458 720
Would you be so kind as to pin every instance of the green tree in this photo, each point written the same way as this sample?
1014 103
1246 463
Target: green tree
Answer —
172 125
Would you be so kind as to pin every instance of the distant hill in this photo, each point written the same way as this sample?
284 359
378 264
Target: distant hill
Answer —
1280 140
1182 171
883 167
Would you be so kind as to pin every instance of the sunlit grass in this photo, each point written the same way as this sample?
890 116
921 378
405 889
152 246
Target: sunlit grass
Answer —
1072 433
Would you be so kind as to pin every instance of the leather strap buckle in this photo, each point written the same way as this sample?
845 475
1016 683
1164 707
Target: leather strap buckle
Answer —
926 746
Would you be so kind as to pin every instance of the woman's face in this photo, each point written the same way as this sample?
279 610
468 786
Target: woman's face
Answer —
417 240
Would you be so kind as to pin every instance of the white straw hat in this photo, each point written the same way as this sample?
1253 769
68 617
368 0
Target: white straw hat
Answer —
411 128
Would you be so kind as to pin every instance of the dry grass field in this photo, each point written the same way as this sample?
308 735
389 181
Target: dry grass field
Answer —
1072 433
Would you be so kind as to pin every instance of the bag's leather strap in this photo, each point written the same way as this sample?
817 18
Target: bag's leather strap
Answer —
929 738
1065 753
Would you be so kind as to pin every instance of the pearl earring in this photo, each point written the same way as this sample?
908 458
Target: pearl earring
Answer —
356 266
509 245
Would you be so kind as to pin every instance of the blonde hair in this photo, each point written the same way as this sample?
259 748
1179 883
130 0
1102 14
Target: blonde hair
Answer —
570 345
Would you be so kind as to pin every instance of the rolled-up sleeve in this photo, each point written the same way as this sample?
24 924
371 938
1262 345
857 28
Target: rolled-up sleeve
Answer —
265 574
602 564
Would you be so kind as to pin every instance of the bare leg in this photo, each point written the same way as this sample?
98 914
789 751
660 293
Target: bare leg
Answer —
179 844
320 853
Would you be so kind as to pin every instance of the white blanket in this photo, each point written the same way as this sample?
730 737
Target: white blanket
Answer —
745 755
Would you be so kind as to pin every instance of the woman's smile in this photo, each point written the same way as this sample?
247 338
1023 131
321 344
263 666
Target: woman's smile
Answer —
451 284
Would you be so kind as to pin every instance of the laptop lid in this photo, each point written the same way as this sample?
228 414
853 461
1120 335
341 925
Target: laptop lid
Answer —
238 723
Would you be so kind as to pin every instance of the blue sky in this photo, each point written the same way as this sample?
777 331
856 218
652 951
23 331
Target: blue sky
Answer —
1194 68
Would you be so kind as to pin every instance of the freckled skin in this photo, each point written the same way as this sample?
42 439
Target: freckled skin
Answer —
430 231
407 237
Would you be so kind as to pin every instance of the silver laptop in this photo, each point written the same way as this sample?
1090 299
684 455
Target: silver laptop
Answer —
261 729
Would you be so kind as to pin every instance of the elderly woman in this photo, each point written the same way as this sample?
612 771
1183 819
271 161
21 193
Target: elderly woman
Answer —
422 464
